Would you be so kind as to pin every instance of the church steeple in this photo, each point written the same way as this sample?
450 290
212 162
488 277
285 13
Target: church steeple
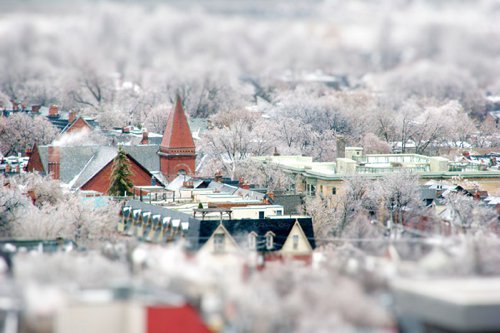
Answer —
177 150
177 134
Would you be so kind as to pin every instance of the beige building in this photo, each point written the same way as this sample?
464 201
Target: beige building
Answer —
327 178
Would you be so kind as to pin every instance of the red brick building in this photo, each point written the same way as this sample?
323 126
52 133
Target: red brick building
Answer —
77 123
89 167
177 150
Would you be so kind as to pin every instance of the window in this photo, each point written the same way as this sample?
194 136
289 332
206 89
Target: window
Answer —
252 241
295 239
261 214
219 241
311 190
334 190
181 172
269 241
279 212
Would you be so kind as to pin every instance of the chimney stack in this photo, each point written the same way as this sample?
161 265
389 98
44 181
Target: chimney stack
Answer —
340 146
54 162
125 129
53 111
187 184
71 116
28 151
35 108
270 194
15 107
218 176
145 137
243 184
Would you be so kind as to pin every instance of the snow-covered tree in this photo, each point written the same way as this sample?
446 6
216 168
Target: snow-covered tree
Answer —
20 131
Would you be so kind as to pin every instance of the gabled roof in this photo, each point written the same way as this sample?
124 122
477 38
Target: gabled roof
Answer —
199 231
90 122
177 133
239 230
79 164
99 160
73 160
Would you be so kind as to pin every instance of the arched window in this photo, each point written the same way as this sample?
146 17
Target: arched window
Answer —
252 241
181 172
269 240
219 242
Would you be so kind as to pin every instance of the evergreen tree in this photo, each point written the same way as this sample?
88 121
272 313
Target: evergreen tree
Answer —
120 177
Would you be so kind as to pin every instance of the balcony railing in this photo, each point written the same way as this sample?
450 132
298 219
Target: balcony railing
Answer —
464 167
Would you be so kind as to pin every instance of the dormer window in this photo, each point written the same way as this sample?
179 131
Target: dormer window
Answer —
252 241
269 240
295 239
219 242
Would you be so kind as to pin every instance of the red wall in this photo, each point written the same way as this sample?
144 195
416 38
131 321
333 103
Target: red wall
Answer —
170 165
35 162
101 181
78 125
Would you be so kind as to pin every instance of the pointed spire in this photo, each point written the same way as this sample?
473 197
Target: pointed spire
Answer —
177 133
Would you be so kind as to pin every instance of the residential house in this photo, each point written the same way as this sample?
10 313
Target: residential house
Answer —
64 121
78 123
270 235
89 167
218 218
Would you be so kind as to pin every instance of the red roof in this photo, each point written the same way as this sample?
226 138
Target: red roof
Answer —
165 319
177 133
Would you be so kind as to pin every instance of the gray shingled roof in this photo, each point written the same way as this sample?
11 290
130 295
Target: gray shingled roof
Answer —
44 156
146 155
290 202
99 160
73 160
80 164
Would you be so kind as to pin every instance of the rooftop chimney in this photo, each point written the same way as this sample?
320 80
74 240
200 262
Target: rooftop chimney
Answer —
276 153
243 184
187 184
15 107
54 162
125 129
340 146
145 137
35 108
53 111
218 176
71 116
28 151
